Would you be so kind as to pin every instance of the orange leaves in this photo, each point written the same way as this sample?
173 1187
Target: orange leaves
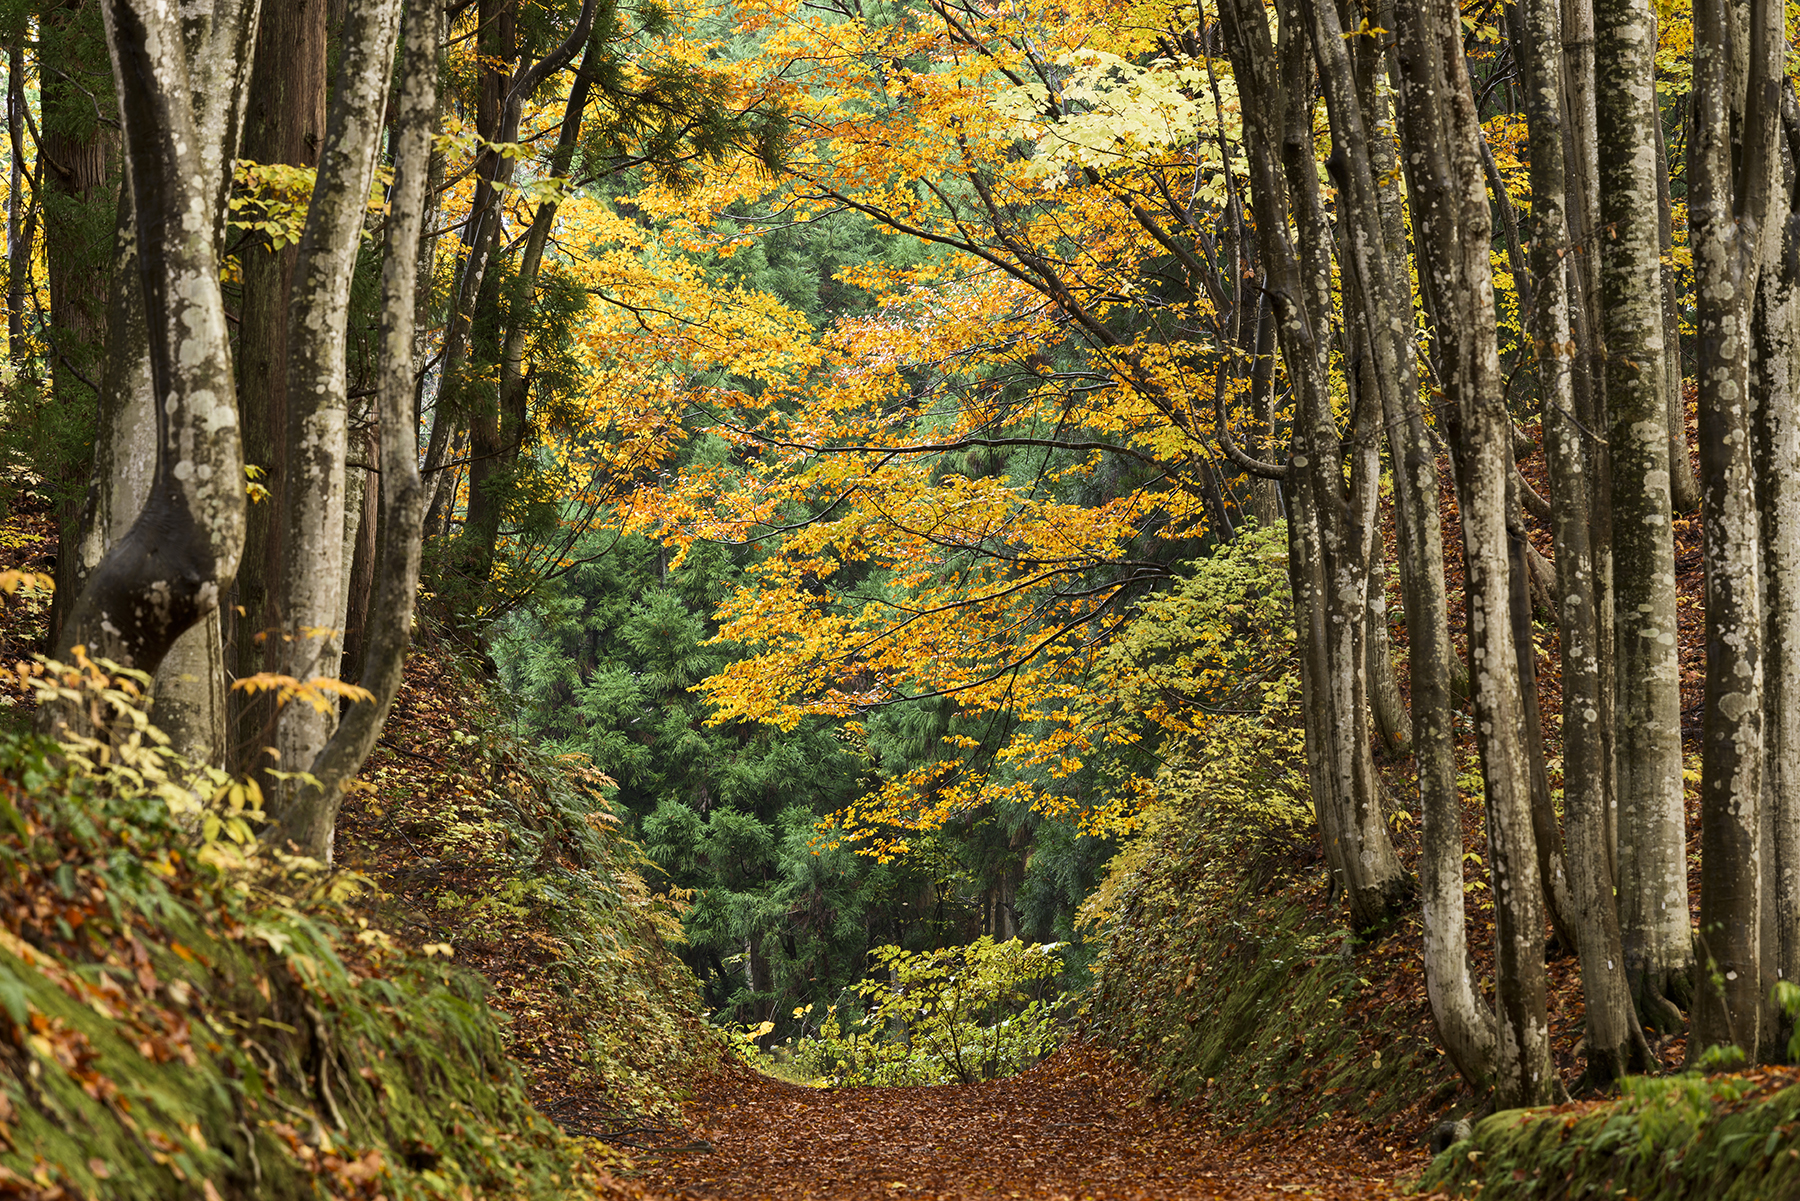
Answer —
321 692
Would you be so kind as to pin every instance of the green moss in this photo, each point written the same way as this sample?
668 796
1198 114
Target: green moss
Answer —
173 1028
1218 978
1723 1138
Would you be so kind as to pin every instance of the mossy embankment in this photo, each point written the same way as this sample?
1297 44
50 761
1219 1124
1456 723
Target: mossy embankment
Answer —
173 1024
479 839
1228 977
175 1021
1674 1138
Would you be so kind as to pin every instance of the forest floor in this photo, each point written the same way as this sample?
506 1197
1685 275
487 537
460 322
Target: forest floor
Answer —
1077 1126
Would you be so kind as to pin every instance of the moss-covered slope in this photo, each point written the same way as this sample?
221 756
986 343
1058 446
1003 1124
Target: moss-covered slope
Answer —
171 1027
1679 1138
1226 975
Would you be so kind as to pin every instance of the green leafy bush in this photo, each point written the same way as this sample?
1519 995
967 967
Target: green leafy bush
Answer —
952 1016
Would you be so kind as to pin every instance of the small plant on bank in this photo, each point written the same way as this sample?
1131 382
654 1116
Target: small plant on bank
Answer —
951 1016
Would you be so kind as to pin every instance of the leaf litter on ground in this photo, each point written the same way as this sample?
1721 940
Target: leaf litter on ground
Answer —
1076 1126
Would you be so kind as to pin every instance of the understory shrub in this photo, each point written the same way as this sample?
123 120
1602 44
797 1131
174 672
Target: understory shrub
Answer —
952 1016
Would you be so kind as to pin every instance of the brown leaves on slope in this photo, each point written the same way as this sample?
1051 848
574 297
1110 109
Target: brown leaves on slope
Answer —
1074 1127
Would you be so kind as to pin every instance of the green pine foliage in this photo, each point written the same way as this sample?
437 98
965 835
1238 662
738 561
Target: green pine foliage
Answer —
728 814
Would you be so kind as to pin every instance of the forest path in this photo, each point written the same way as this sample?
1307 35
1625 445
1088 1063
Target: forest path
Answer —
1070 1128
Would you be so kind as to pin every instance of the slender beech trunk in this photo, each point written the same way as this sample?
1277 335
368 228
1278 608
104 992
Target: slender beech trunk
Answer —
312 577
1391 722
1330 528
1362 160
1775 382
1653 891
1732 189
311 814
1614 1043
1442 135
361 572
1587 375
1684 486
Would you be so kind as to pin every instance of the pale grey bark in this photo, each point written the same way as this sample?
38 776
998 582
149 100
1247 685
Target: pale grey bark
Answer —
1587 366
311 816
1392 725
180 79
1441 135
1374 271
1732 189
1653 891
1614 1043
1775 383
311 586
1330 525
1684 485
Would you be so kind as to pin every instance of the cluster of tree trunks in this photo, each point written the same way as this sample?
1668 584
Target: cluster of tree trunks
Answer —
155 557
1611 878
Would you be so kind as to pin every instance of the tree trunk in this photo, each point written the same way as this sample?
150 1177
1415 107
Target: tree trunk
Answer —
1732 189
1391 722
285 124
1442 136
188 691
312 577
1331 528
362 562
1653 892
496 433
1587 375
1684 486
311 818
1775 381
1614 1043
181 88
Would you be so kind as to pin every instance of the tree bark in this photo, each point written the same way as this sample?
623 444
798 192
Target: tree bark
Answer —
1653 892
1684 486
312 576
1732 194
1331 526
311 819
181 86
1614 1043
1441 134
1775 381
285 124
187 695
362 561
1587 375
